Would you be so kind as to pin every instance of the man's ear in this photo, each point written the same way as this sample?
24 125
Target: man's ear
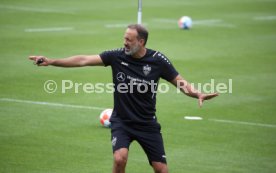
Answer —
142 41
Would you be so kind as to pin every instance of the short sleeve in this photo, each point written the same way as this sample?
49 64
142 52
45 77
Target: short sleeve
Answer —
109 56
168 71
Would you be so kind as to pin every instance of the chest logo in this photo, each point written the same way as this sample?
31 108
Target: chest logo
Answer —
146 69
121 76
124 63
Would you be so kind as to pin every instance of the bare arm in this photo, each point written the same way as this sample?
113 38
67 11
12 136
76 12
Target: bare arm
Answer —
73 61
189 90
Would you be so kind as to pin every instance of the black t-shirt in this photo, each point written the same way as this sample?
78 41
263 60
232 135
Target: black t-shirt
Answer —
135 83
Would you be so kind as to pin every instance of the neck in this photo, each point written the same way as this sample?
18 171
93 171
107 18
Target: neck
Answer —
141 53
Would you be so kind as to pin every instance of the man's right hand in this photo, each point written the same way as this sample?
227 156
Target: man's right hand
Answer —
40 60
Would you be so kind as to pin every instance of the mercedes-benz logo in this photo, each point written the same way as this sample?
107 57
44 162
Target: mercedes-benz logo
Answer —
121 76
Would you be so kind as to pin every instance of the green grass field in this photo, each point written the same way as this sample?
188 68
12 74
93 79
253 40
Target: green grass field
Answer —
230 39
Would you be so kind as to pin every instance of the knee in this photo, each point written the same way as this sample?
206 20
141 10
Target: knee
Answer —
120 160
160 167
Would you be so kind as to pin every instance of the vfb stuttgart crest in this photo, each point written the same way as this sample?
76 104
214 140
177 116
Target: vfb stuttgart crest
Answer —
146 70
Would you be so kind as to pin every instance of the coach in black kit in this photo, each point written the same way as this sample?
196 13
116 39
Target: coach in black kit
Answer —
136 72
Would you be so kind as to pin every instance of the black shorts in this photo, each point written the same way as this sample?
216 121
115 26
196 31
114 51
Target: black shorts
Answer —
151 142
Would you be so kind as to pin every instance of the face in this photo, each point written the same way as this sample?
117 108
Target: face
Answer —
131 42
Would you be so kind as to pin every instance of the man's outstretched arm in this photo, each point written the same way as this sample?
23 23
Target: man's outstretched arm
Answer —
189 90
73 61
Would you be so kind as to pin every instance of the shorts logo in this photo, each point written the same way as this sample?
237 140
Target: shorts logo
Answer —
114 140
146 69
121 76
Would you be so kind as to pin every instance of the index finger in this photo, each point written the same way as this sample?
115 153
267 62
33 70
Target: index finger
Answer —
210 96
200 102
32 57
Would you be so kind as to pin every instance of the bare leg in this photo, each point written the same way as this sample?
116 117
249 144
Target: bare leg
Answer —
159 167
120 160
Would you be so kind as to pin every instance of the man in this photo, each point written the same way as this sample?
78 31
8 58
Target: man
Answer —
136 72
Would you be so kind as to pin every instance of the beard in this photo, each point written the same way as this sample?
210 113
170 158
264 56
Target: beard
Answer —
132 51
